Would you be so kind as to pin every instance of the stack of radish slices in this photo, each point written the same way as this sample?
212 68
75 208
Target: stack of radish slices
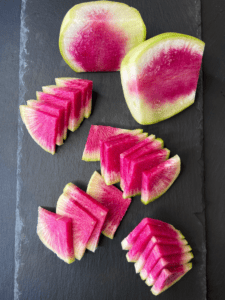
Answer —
58 108
139 163
160 253
81 217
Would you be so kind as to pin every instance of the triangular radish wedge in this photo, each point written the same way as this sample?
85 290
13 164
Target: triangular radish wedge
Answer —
111 198
72 82
83 222
165 262
129 241
159 77
151 243
41 126
156 181
110 150
145 162
75 96
158 252
52 110
125 158
168 277
144 237
58 102
55 232
95 36
99 133
93 207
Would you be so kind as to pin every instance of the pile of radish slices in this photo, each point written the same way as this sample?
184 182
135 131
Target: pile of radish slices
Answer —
138 161
160 253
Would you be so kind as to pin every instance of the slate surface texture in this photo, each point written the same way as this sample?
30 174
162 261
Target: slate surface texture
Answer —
41 177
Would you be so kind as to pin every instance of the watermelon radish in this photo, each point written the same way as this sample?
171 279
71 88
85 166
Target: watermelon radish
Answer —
55 232
54 111
169 276
151 243
76 99
62 103
83 222
99 133
144 237
110 150
156 181
129 241
159 76
95 36
145 162
158 252
147 146
72 82
41 126
93 207
112 199
167 261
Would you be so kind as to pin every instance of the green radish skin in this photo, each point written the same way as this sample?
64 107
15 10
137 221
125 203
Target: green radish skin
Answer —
159 77
159 179
168 277
99 133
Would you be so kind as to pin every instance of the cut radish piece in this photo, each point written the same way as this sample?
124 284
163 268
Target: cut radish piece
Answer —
165 262
158 252
41 126
55 232
110 151
83 222
129 241
146 162
54 111
151 243
111 198
72 82
159 77
93 207
62 103
144 237
75 96
95 36
156 181
135 152
99 133
168 277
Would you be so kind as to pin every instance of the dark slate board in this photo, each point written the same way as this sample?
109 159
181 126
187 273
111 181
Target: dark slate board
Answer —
39 274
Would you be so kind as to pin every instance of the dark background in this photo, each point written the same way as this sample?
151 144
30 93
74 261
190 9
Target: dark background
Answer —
213 32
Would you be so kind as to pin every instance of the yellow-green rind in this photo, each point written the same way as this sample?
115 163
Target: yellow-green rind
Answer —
141 113
156 293
23 116
177 158
71 15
